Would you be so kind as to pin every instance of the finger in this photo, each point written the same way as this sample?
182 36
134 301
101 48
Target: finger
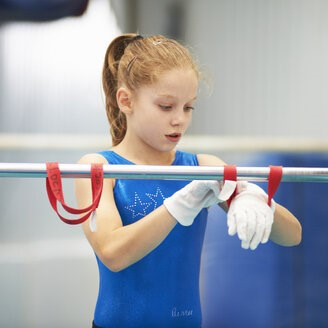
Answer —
241 186
231 221
199 187
251 223
259 231
241 224
268 227
210 200
264 234
245 244
227 190
214 186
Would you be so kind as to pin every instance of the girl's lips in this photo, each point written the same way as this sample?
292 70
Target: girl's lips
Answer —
173 138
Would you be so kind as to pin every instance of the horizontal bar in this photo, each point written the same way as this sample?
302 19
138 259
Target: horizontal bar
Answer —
159 172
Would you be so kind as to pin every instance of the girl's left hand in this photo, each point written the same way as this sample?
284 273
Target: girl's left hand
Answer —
251 217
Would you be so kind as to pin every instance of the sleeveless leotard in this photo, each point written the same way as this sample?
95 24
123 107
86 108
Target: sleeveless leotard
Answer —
162 289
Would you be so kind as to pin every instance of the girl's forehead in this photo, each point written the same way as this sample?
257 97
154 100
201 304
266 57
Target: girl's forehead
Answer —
174 82
177 75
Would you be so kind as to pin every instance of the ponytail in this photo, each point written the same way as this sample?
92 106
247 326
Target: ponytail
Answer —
116 118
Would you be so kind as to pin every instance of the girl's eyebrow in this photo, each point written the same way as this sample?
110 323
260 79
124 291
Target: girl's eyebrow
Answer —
173 97
167 96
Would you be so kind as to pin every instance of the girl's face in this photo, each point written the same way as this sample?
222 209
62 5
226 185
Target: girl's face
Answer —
161 113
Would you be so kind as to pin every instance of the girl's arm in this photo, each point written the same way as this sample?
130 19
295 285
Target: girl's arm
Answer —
286 229
116 245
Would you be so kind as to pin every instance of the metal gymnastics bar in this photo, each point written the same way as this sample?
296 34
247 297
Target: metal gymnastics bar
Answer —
159 172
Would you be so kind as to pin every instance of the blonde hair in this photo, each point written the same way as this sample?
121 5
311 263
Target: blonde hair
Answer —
134 61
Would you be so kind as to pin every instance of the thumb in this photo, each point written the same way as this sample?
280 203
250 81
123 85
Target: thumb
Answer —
227 190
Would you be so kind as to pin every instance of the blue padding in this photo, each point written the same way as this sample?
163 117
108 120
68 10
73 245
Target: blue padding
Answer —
273 286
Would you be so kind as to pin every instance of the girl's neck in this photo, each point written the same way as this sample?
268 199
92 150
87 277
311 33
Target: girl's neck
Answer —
142 155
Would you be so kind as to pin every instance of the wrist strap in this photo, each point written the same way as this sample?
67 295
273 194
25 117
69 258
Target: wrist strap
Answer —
275 176
55 191
230 173
274 179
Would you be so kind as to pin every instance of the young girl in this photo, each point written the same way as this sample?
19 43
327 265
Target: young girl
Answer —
150 233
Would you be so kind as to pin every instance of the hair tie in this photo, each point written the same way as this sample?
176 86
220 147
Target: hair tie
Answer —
136 38
124 43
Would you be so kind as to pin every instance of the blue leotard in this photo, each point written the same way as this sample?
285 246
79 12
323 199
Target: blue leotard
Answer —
162 289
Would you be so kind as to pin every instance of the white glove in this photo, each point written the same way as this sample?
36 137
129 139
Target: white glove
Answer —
250 216
186 203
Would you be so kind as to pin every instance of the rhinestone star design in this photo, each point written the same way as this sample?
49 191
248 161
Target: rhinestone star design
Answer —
156 198
138 207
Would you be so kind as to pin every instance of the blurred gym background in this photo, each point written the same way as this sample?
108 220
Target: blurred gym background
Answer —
264 102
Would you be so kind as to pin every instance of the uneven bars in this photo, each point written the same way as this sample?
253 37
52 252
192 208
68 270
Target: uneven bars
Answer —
160 172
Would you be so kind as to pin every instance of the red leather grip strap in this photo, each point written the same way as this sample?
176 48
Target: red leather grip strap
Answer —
230 173
55 191
275 176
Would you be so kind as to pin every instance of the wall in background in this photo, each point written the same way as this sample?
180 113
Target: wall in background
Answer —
267 62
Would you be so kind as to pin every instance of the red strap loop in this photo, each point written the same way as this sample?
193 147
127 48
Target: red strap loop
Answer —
55 191
230 173
275 176
274 179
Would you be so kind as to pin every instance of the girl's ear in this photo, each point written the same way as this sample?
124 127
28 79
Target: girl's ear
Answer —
124 100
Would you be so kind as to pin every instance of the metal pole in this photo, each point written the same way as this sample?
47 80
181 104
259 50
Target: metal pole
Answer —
159 172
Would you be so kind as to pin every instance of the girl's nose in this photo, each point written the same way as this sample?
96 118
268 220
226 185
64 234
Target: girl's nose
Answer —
179 117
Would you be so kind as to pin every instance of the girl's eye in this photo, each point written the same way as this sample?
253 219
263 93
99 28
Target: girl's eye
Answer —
165 107
189 108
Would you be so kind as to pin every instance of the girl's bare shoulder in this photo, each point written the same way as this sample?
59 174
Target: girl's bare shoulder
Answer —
92 158
210 160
